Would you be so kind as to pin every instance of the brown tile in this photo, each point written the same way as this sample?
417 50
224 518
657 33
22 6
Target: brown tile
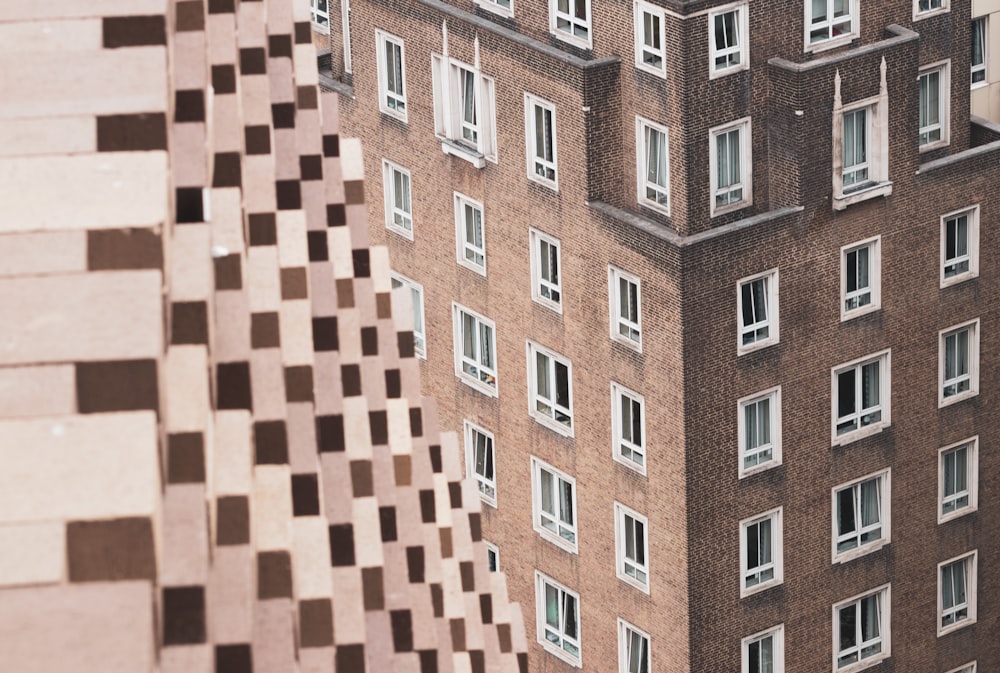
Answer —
118 549
318 251
486 608
331 145
446 545
224 79
465 568
279 46
299 384
437 600
305 495
458 634
120 249
263 230
349 658
342 545
253 61
435 451
122 385
132 133
283 115
232 520
293 283
336 215
228 272
189 322
330 433
427 514
221 7
522 662
369 341
227 170
264 330
393 384
403 469
415 564
233 382
345 293
387 523
455 494
416 422
233 658
402 630
189 105
183 615
134 31
361 478
378 424
362 263
308 97
383 305
354 192
503 635
316 623
476 526
190 16
428 661
185 458
311 167
324 332
373 588
270 442
289 194
303 32
274 575
190 205
257 139
478 661
404 341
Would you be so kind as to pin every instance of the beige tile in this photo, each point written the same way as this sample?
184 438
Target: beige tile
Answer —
367 533
227 218
187 659
274 637
311 558
293 250
296 332
32 553
306 71
184 553
263 279
186 389
232 453
191 273
273 507
51 35
190 61
189 156
21 11
231 591
48 135
37 391
348 605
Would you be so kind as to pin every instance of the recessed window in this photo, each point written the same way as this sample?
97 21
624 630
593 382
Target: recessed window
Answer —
861 398
546 276
558 612
501 7
653 165
540 133
470 233
626 313
861 516
475 350
464 111
933 104
861 630
830 22
764 652
480 461
757 305
570 21
860 265
728 39
957 593
398 203
649 38
550 395
492 556
958 479
320 13
760 431
629 427
857 148
632 547
633 649
417 297
860 146
731 167
979 52
391 75
959 367
760 557
959 246
554 504
924 8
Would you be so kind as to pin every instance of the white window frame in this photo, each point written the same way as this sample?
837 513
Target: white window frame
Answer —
971 491
486 483
464 248
625 633
559 631
535 162
643 185
634 571
876 162
557 15
317 15
404 226
874 288
632 327
742 48
919 14
972 246
770 278
965 668
980 69
392 103
972 326
971 561
540 286
833 40
496 7
621 444
642 9
492 551
482 376
884 358
883 601
943 68
775 517
773 396
883 479
535 397
777 635
345 27
745 135
450 124
419 316
566 534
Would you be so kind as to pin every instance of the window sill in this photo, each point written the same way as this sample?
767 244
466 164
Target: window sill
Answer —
955 627
719 74
320 28
745 592
555 307
957 514
956 280
494 8
628 343
841 201
728 208
551 184
551 424
858 552
858 312
569 38
558 541
832 43
476 384
756 346
955 399
861 665
462 152
630 464
920 16
394 114
560 652
631 581
489 502
481 270
855 435
757 469
658 72
937 144
655 206
979 85
399 231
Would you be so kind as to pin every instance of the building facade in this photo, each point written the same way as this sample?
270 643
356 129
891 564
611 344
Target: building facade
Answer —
709 288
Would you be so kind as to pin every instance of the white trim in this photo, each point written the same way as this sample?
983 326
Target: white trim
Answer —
570 36
541 580
774 397
571 528
973 364
487 486
742 10
623 646
775 517
495 550
535 240
389 193
619 322
874 278
464 247
486 378
777 634
639 25
642 164
494 7
745 134
972 477
876 181
533 161
965 668
546 419
449 123
884 602
884 358
617 441
345 25
971 577
383 38
944 103
919 15
770 278
830 42
985 65
621 562
972 245
315 13
884 478
417 298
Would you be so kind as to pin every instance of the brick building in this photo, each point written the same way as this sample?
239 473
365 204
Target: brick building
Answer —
710 290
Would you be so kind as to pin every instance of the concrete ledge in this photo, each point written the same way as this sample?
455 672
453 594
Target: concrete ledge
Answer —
902 36
971 153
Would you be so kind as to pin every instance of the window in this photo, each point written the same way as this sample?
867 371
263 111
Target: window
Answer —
730 166
760 559
398 208
480 461
558 612
470 233
391 75
957 593
830 22
492 556
959 246
760 431
546 281
728 40
860 145
475 350
502 7
540 133
958 479
861 516
626 315
764 652
417 296
959 365
632 547
569 20
857 132
861 398
861 630
633 649
653 165
860 273
925 8
757 300
979 47
320 16
464 110
550 397
649 38
967 668
554 504
934 106
629 427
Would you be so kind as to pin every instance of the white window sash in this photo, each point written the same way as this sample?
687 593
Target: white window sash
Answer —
857 148
757 328
417 300
826 20
758 434
731 40
547 381
863 648
862 416
557 505
630 427
862 277
930 104
566 19
320 11
864 533
955 593
979 56
957 478
957 245
482 461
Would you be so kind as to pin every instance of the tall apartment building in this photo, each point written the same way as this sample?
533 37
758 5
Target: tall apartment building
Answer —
711 290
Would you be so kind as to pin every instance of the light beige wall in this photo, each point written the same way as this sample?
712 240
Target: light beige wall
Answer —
985 99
